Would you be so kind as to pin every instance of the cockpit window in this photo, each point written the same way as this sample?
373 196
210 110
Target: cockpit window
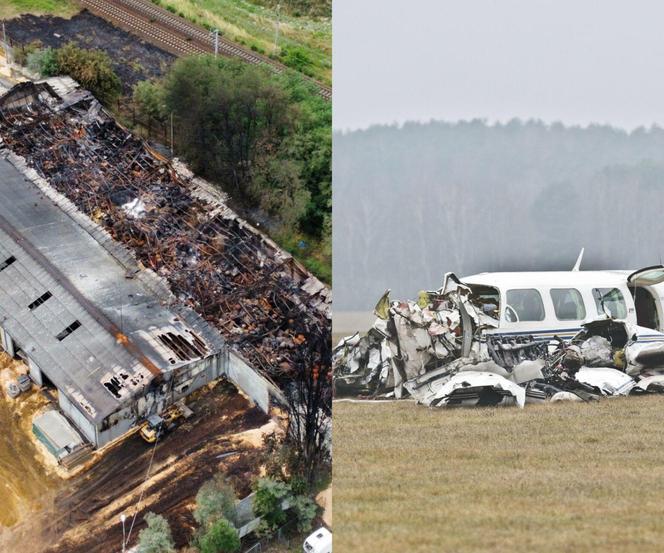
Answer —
486 299
613 302
524 305
568 304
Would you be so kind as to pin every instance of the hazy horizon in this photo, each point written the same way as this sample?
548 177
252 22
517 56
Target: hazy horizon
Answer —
498 123
413 202
493 135
577 63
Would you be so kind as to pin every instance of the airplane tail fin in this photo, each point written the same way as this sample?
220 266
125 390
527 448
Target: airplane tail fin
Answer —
577 265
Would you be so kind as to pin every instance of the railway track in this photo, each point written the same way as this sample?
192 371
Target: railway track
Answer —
177 35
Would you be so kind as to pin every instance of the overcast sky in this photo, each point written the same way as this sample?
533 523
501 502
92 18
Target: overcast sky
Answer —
576 61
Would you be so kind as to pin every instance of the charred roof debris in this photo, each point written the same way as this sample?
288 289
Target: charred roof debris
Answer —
224 288
445 350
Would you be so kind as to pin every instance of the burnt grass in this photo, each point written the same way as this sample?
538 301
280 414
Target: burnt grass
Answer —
197 447
133 59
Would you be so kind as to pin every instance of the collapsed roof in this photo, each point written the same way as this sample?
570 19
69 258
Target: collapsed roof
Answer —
261 301
66 298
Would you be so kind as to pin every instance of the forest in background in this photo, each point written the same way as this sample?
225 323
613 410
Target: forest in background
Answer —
412 202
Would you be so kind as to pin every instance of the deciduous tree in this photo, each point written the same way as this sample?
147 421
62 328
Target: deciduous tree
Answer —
156 538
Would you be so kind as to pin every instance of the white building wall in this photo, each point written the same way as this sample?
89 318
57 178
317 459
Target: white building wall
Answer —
187 380
35 372
75 415
194 376
118 424
7 342
250 382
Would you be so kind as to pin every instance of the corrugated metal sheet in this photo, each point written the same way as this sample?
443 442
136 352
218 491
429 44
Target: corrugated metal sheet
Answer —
80 363
83 424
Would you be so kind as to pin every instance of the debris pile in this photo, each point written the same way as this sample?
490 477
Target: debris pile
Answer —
446 349
258 297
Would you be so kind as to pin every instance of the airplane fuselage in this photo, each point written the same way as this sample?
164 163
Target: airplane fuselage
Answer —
557 303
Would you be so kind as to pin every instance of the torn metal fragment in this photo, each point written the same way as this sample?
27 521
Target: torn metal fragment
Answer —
610 382
474 388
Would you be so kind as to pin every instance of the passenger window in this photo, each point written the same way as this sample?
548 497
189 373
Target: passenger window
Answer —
524 305
612 299
568 304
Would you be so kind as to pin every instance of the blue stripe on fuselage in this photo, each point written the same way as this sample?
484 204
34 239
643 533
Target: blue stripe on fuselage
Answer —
541 335
568 333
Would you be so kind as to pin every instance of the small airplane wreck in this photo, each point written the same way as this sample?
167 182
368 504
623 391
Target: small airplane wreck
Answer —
511 339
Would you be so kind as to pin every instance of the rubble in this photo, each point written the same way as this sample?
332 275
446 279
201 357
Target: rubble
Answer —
258 297
446 349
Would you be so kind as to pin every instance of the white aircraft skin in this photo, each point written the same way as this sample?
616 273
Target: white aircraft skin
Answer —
557 303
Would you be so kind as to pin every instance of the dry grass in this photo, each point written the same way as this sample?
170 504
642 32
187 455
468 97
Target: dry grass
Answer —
254 26
62 8
560 477
26 482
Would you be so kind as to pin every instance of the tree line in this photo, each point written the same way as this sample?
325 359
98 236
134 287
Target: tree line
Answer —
264 138
415 201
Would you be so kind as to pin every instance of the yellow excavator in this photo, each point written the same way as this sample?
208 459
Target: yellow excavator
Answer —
155 426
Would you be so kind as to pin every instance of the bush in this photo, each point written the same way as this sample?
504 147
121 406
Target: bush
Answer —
43 62
278 189
297 58
149 99
311 147
305 511
222 537
156 538
214 501
270 495
22 52
92 68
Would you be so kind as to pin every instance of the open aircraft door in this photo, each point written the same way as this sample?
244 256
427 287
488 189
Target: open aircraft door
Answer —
649 309
648 276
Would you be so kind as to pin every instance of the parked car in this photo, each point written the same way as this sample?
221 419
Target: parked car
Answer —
319 542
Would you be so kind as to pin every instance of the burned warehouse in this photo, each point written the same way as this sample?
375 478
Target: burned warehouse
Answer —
108 343
125 282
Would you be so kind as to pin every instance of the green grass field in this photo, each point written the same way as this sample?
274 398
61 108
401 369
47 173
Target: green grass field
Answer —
12 8
555 477
305 43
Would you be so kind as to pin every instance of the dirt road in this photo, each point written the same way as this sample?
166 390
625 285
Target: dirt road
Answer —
25 482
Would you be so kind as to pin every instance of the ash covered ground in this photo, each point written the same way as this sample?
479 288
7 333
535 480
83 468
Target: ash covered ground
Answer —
224 435
133 59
